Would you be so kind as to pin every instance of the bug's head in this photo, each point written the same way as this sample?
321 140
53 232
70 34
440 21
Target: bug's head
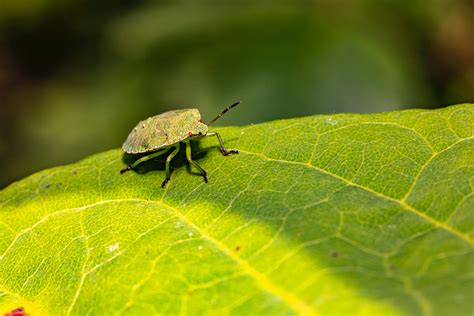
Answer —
199 130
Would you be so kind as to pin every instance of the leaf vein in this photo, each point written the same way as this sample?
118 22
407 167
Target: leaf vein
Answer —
406 206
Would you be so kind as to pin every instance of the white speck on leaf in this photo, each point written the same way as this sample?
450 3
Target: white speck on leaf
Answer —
113 247
190 234
331 121
200 247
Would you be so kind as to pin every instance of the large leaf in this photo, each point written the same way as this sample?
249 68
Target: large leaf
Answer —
341 214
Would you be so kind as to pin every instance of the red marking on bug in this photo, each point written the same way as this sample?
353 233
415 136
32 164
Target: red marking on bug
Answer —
17 312
190 134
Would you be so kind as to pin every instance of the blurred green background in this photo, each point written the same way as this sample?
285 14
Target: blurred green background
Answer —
76 76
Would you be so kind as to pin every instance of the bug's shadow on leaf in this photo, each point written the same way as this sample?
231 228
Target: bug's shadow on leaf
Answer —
153 164
159 163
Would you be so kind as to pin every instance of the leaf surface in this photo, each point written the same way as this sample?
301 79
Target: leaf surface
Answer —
323 215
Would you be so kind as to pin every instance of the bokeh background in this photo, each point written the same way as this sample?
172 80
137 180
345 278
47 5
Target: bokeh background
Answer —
76 76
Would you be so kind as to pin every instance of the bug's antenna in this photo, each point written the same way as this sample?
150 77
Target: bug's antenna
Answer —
223 112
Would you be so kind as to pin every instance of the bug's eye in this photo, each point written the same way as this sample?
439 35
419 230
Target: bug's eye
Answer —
200 133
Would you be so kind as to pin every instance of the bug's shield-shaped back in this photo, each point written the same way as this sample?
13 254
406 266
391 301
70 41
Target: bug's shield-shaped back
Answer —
163 130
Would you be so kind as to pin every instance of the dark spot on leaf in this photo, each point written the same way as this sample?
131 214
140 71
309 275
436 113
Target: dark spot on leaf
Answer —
17 312
47 186
74 172
392 267
147 252
334 254
237 248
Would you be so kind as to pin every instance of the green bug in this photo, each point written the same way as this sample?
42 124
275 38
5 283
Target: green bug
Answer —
159 133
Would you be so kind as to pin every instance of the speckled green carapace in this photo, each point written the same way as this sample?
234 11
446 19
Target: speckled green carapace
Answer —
157 134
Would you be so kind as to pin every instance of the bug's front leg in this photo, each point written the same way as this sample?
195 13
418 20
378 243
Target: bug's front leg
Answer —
195 164
224 151
167 166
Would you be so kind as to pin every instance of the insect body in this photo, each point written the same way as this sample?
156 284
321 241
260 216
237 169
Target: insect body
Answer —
160 133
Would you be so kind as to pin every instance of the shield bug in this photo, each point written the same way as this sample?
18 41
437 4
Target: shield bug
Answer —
158 134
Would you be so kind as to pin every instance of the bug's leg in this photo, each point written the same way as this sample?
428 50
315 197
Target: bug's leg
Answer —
143 159
224 151
167 167
198 167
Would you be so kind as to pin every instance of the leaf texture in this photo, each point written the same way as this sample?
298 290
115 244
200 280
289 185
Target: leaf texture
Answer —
322 215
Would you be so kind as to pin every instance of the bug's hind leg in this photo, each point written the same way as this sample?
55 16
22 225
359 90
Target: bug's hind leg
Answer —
224 151
198 167
143 159
167 167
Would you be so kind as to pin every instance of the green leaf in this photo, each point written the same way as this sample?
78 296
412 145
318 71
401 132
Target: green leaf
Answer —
324 215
